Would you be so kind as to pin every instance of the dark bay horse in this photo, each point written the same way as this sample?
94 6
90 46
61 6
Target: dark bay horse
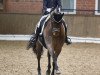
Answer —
53 37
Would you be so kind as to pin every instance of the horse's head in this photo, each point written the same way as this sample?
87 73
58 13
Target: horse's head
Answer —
57 15
56 22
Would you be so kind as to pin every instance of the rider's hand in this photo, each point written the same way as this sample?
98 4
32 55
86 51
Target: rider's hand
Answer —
48 9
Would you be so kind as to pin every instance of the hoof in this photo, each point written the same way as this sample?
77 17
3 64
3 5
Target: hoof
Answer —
57 72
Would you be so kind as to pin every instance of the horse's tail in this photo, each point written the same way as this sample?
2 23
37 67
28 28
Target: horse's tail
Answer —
38 50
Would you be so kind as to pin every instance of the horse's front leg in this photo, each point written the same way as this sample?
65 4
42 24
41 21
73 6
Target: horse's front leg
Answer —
56 67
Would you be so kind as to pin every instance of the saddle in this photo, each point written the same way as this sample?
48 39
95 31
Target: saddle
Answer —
42 23
42 26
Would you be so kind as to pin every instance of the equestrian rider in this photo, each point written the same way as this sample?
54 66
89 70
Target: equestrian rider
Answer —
47 6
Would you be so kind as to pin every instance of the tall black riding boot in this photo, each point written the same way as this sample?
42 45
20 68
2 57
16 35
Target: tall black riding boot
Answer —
67 39
33 40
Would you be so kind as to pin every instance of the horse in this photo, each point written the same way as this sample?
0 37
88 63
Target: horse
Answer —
53 37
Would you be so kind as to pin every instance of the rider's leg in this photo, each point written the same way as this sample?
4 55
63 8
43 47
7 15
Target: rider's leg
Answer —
66 38
33 40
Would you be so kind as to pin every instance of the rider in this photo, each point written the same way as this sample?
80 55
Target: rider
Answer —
47 6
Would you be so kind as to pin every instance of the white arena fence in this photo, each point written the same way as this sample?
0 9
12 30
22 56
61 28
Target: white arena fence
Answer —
27 37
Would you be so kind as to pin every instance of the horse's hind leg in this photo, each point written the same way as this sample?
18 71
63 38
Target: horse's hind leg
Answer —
49 64
39 49
39 68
